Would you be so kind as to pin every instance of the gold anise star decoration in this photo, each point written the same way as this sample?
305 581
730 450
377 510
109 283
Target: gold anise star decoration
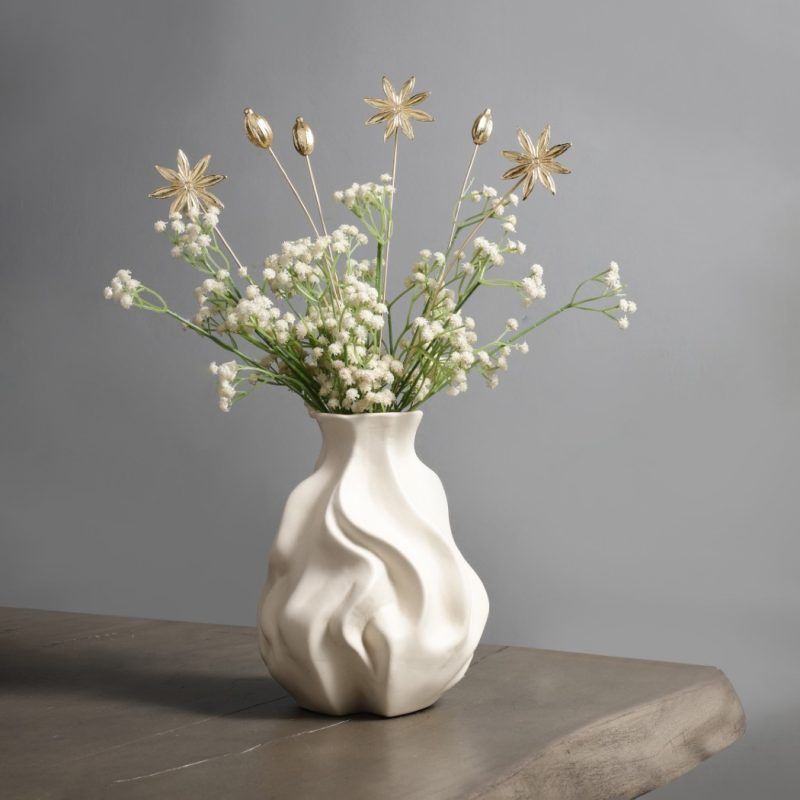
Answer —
397 110
536 162
188 185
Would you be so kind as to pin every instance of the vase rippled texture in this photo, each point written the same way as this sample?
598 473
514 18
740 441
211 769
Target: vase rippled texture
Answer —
368 603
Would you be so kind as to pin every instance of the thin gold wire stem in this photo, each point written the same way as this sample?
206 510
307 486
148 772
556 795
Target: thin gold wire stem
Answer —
229 248
391 220
488 215
333 282
460 252
316 195
461 196
294 191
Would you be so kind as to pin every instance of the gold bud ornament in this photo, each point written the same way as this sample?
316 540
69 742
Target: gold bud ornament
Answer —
482 128
257 129
303 137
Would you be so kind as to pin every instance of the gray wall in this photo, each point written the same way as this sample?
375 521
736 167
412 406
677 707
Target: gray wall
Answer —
627 493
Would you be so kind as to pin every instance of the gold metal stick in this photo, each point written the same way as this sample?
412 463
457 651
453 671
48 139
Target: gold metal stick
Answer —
460 252
230 249
396 109
316 195
481 132
303 141
391 220
294 191
334 283
461 196
259 132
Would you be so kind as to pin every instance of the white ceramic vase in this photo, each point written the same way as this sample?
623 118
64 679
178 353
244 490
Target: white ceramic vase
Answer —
368 604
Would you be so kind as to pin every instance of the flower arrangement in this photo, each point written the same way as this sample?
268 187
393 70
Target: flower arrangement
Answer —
316 318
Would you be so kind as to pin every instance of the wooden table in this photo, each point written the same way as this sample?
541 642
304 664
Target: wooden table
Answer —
117 708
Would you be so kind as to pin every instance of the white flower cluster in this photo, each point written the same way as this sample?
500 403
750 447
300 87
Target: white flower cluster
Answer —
226 375
611 277
296 269
123 288
215 289
489 251
531 287
627 306
242 314
489 193
614 283
350 374
422 271
365 194
492 254
450 339
490 367
190 235
256 311
363 387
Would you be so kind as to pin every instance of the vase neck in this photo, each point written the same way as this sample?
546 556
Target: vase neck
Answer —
349 434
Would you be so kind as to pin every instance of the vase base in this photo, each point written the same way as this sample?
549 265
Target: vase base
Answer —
366 712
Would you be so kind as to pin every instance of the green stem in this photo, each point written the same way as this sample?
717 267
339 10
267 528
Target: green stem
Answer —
517 336
215 339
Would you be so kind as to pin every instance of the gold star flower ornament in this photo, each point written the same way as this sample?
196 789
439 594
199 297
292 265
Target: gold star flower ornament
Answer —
188 185
397 109
536 162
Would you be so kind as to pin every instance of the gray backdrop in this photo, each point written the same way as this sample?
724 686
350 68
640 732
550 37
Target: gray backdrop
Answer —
625 493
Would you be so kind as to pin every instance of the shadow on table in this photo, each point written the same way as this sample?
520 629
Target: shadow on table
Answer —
120 677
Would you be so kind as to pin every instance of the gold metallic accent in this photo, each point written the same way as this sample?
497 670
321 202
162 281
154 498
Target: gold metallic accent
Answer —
536 162
464 189
229 248
188 185
303 137
259 133
397 109
488 215
481 131
482 128
294 191
391 215
257 129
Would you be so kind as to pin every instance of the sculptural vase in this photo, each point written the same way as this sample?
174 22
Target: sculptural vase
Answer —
368 604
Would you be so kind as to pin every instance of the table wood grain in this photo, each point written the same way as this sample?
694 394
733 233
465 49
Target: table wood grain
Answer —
118 708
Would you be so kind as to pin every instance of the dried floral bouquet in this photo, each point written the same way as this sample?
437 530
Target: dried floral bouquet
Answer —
316 318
